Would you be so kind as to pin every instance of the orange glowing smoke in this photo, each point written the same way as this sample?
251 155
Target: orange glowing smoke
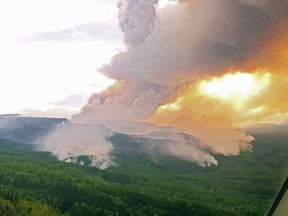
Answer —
220 98
214 108
235 89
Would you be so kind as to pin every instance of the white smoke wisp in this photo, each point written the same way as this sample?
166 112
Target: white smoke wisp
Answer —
191 152
68 142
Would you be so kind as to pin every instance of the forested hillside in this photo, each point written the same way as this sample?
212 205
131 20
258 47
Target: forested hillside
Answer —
35 183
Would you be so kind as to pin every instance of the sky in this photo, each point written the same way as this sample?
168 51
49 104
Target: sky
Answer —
50 51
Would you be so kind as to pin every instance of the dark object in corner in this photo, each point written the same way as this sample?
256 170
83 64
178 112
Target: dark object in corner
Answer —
278 198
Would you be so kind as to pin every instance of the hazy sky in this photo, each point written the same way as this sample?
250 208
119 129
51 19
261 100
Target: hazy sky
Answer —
50 50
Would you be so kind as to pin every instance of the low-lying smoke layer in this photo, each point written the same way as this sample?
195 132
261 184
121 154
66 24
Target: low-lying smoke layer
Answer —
71 141
154 140
172 49
98 143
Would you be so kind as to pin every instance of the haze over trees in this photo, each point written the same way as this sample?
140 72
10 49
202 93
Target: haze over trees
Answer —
36 183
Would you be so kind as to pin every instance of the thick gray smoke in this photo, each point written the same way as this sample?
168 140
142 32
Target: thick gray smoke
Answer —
191 39
169 48
134 100
136 20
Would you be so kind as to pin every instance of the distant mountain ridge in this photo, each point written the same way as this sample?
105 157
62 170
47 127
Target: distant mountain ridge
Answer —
30 129
268 128
19 128
126 137
27 129
10 115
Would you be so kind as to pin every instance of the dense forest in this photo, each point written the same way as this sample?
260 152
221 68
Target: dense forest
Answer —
36 183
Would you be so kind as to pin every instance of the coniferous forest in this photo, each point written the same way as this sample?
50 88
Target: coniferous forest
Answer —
36 183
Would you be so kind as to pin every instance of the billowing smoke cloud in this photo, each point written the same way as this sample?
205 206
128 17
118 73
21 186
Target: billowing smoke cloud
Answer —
169 50
190 39
130 100
71 141
136 20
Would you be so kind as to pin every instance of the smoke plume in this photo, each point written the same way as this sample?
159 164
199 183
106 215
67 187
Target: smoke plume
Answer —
171 50
69 142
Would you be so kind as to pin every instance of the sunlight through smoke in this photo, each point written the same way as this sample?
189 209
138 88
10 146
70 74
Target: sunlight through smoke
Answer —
235 88
164 3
